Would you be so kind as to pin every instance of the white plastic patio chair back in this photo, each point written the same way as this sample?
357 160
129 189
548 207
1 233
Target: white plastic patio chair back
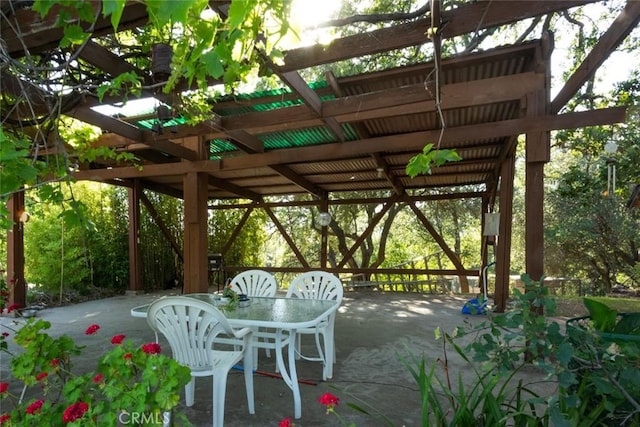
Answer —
326 286
190 327
255 283
316 285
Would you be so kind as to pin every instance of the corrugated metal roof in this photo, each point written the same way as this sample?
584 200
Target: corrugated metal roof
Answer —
358 172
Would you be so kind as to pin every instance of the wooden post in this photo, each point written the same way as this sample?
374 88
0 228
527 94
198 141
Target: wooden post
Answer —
15 252
135 264
324 207
196 233
503 247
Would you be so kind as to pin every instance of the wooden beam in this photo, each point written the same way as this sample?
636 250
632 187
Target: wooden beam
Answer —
298 180
286 237
353 109
608 42
107 61
238 229
231 188
372 225
453 257
86 114
173 149
30 32
250 144
417 140
404 142
411 99
161 225
246 142
468 18
297 83
358 201
363 133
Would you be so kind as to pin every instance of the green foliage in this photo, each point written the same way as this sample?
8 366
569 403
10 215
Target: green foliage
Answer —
598 380
55 246
205 44
248 247
491 399
606 367
423 163
128 83
589 233
126 380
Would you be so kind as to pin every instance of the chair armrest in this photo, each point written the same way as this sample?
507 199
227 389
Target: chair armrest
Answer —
241 333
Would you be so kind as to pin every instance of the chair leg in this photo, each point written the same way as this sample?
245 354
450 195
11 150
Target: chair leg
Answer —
330 353
322 354
255 358
298 346
248 381
189 391
267 351
219 392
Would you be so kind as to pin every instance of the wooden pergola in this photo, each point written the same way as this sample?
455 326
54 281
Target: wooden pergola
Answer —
344 134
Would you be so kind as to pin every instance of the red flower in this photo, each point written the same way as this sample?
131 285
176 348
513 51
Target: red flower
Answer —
5 334
128 356
42 375
54 362
152 348
97 378
286 423
13 307
34 407
92 329
4 417
4 387
328 400
117 339
74 412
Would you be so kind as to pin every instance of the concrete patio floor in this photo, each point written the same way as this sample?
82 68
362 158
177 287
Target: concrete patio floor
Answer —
372 328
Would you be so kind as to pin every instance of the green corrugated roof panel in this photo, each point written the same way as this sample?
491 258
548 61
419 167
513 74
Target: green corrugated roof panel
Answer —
303 137
150 123
220 146
287 139
271 105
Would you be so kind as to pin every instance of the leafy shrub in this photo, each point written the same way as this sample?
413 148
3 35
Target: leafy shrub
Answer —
130 385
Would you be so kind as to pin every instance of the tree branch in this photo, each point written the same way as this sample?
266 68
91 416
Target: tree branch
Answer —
375 18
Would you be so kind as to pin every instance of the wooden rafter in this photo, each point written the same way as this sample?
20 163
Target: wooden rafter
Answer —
612 38
468 18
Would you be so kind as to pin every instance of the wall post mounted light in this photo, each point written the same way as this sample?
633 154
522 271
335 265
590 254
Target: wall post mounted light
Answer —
491 224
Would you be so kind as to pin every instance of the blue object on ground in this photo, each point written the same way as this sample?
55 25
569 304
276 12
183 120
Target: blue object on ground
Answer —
475 306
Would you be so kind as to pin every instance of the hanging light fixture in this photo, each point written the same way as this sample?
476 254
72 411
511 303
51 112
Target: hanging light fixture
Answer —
161 56
611 148
324 219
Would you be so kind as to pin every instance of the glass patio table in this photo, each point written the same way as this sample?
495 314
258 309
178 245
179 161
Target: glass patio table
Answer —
285 315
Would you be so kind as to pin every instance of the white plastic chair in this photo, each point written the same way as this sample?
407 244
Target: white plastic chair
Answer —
258 283
190 327
319 285
255 283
